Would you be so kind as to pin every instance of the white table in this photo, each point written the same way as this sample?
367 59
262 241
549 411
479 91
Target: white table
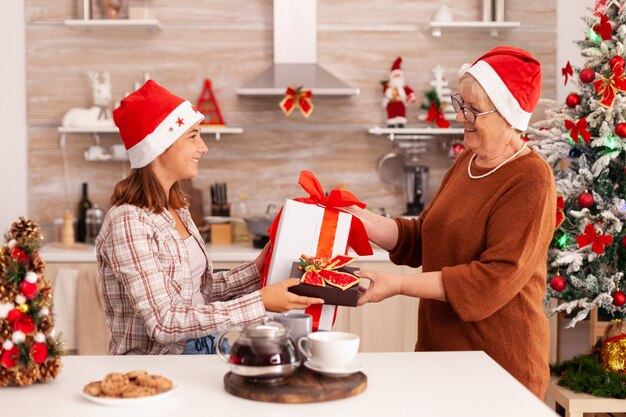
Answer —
468 384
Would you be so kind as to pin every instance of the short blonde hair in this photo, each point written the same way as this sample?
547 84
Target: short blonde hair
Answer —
468 81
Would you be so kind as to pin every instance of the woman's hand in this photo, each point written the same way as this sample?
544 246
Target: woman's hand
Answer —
381 286
276 298
260 260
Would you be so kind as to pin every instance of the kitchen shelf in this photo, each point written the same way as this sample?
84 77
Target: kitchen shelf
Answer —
102 25
217 131
414 132
493 27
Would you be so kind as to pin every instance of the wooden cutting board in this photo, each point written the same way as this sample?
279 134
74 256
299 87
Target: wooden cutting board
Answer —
305 386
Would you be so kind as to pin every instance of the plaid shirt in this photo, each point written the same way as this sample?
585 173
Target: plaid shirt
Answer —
147 285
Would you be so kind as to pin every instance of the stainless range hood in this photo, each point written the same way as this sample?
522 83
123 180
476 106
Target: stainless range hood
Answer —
295 56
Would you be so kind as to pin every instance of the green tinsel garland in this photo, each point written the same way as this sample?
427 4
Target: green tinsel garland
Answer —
584 373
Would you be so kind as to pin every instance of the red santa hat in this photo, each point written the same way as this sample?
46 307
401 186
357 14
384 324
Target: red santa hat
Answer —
150 120
396 64
511 77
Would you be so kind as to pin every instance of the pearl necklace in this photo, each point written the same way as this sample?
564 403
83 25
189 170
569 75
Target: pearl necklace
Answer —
477 177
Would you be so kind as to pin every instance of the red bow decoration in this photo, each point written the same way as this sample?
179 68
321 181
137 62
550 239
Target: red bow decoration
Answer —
604 28
567 71
336 199
436 115
297 97
607 87
560 214
320 272
591 237
578 128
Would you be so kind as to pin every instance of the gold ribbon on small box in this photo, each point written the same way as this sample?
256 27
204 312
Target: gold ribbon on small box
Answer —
297 97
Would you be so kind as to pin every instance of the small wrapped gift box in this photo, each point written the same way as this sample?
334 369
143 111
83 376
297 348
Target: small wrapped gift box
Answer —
330 295
315 226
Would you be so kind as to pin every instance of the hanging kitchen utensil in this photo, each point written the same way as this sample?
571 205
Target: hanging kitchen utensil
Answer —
391 169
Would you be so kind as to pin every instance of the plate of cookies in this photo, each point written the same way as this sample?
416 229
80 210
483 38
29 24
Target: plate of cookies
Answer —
129 389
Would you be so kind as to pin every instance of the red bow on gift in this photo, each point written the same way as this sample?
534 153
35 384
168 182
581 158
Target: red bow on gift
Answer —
578 128
591 237
435 115
335 200
560 214
297 97
607 87
604 28
567 71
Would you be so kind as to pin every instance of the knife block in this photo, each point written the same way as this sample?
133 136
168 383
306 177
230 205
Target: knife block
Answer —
221 234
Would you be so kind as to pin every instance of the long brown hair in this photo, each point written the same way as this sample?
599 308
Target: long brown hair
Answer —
141 188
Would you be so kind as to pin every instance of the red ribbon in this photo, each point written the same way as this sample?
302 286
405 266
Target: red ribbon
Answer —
604 28
607 87
578 128
297 97
591 237
560 214
436 115
567 71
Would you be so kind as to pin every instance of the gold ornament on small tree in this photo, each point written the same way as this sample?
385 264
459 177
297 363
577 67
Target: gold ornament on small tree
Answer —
613 351
29 350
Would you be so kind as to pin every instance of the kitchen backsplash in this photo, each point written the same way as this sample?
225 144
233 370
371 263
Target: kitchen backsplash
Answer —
229 45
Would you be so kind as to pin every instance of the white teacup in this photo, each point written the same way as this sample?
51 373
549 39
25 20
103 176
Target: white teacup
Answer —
330 350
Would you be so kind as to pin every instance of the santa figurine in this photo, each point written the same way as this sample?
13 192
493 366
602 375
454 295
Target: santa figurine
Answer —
397 96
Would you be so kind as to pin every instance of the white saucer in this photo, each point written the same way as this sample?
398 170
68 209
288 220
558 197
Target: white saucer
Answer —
354 367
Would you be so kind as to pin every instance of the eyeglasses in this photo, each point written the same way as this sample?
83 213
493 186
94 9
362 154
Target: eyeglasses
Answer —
469 114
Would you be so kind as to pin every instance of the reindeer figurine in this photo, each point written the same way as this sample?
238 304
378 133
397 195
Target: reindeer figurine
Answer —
99 114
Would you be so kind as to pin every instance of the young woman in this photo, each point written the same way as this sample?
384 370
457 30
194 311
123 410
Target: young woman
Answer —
161 295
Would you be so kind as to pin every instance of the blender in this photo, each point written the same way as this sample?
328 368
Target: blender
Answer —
415 184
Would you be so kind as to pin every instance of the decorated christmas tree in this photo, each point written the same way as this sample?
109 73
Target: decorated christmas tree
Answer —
585 142
29 350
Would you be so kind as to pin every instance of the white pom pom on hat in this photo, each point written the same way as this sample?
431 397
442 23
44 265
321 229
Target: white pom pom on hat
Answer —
511 77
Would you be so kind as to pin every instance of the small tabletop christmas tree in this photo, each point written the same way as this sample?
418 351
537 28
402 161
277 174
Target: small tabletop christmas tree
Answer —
29 350
438 102
585 141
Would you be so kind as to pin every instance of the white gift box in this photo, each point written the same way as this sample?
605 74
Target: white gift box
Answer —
298 232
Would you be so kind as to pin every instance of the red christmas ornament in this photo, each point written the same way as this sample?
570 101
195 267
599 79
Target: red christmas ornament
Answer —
620 130
616 60
456 149
585 200
624 242
24 324
10 357
619 298
19 255
587 75
38 352
14 314
558 283
572 100
29 289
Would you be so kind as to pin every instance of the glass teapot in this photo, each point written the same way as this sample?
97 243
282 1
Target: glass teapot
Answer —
260 351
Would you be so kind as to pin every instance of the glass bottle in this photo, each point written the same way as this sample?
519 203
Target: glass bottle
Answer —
81 223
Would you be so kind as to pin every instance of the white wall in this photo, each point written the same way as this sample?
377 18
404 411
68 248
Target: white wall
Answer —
569 29
13 139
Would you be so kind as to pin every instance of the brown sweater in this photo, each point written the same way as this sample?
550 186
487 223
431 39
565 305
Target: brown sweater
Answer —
489 237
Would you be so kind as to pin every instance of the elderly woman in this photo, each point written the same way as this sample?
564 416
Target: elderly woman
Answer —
160 292
482 242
